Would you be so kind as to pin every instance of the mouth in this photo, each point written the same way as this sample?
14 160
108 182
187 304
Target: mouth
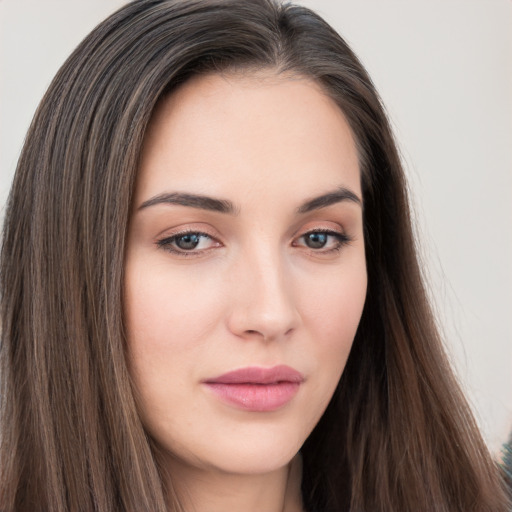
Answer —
257 389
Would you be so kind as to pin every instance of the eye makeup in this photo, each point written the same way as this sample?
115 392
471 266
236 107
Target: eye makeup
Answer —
191 242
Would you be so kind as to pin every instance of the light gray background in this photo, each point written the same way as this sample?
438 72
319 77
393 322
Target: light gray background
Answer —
444 70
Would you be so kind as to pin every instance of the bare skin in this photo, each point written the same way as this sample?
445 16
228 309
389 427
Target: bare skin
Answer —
245 250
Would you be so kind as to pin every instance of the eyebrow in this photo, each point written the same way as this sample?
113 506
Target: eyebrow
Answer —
225 206
193 201
337 196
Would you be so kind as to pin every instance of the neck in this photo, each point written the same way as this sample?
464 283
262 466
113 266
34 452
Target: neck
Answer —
203 490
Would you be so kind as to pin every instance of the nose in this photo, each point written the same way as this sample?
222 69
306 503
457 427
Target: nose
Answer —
263 302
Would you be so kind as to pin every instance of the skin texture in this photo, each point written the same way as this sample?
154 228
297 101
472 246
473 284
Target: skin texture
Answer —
252 292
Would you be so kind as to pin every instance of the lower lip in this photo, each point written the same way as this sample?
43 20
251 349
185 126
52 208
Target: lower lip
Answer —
256 397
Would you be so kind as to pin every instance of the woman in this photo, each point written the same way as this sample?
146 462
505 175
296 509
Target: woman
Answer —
210 294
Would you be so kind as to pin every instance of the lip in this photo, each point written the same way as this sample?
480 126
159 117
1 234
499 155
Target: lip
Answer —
257 389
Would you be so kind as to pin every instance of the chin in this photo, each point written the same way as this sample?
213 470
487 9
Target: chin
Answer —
262 452
257 459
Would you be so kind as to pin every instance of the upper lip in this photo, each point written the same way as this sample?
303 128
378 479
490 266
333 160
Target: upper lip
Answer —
258 375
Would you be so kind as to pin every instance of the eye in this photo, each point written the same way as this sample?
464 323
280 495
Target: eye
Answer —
316 240
323 241
187 243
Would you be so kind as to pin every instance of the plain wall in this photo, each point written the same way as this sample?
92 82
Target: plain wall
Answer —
444 70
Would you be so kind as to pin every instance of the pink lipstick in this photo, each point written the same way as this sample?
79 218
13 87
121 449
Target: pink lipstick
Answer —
257 389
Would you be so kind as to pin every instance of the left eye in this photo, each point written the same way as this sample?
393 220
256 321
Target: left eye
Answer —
323 240
186 242
316 240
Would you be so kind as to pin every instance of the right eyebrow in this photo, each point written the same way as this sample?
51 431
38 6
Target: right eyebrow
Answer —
192 200
325 200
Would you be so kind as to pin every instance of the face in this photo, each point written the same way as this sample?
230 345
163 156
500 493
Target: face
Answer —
245 269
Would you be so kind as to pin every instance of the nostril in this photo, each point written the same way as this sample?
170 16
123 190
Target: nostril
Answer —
267 336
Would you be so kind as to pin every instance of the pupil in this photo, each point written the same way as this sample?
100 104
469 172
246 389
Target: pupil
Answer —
316 240
187 242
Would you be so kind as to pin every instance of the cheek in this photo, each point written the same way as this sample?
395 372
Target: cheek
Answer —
176 323
332 304
169 318
331 311
168 311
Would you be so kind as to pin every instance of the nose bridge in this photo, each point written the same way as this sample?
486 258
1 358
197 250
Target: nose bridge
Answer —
264 302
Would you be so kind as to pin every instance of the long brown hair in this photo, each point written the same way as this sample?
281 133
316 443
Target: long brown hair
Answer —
397 435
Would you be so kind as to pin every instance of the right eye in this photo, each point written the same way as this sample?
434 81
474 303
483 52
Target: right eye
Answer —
187 243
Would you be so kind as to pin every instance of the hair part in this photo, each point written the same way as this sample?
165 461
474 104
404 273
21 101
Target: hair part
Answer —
397 434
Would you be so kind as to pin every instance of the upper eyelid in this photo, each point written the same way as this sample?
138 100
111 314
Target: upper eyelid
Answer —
168 244
175 232
189 232
338 230
205 232
330 232
322 230
173 236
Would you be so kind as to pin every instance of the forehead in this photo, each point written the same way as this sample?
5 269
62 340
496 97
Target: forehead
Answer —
217 133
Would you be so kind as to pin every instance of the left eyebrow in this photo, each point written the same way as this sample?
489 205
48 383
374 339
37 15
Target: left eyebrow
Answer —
337 196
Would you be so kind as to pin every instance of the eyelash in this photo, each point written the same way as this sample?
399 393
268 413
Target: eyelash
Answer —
167 243
341 240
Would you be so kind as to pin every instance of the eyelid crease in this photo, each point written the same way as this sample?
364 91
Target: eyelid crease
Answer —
187 228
